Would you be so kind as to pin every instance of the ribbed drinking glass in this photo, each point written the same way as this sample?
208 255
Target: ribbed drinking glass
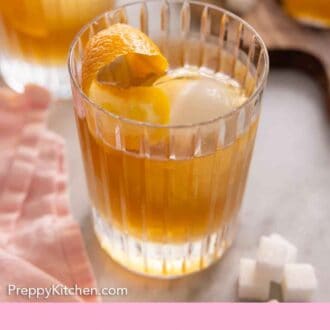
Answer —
166 199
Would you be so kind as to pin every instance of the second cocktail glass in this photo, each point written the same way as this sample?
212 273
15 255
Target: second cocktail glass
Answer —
35 37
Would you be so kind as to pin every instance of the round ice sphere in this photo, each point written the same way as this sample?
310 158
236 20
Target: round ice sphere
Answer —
201 99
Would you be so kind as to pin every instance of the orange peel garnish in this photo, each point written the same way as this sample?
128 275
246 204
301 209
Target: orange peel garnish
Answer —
142 58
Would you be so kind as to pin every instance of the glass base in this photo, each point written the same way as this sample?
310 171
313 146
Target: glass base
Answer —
161 260
17 74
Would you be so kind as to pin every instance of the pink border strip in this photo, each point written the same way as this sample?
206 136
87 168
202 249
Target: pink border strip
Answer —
160 316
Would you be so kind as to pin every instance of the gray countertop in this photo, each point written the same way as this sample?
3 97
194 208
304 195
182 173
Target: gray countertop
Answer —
288 192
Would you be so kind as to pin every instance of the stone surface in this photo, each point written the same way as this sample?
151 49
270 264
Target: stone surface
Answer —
288 192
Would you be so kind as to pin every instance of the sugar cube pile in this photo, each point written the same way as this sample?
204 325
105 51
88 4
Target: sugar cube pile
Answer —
276 262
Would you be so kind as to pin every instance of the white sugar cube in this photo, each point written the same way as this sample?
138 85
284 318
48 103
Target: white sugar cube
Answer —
299 282
250 285
271 258
292 250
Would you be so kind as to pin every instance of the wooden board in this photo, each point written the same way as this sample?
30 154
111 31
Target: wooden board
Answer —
292 44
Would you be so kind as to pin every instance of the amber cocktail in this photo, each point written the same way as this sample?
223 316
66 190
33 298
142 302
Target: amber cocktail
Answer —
166 197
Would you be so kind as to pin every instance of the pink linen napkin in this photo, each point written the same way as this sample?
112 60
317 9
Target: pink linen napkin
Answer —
40 244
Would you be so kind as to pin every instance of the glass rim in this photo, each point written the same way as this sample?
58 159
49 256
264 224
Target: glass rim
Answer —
169 126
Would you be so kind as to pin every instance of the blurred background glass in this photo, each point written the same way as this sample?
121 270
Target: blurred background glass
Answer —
35 36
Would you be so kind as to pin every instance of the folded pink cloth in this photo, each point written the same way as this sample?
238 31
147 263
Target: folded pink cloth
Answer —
40 244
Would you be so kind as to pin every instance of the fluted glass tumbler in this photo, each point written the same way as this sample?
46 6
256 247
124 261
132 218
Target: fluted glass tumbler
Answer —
166 199
35 36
